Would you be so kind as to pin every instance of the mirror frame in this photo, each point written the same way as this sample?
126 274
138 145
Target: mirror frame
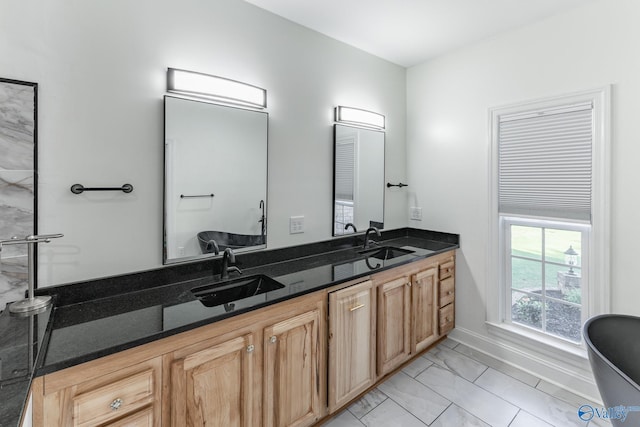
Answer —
188 258
333 208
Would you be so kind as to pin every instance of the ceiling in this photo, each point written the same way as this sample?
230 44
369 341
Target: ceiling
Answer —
409 32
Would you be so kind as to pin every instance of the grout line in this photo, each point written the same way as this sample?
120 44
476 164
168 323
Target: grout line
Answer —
409 412
516 416
426 386
372 408
445 410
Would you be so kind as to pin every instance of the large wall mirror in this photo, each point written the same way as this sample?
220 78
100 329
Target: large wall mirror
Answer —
215 179
358 190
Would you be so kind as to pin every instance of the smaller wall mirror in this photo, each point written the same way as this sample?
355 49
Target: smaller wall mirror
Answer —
358 179
215 179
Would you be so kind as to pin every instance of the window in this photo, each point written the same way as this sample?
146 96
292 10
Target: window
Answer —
549 209
544 275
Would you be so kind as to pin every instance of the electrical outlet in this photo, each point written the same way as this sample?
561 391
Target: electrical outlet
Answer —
180 250
296 224
416 213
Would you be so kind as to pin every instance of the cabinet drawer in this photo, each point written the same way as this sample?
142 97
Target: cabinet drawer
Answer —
447 268
142 418
447 319
447 291
114 399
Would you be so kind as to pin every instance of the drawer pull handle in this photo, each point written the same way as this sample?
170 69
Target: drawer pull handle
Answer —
116 404
250 348
356 307
273 339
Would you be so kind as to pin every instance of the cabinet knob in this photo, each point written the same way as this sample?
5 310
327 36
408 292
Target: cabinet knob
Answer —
250 348
450 292
273 339
116 404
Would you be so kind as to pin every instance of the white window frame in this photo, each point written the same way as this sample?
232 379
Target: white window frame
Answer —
598 270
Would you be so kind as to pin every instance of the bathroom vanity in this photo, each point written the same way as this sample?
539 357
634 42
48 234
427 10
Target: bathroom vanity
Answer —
150 351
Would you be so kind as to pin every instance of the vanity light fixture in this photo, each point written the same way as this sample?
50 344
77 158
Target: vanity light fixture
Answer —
215 88
359 117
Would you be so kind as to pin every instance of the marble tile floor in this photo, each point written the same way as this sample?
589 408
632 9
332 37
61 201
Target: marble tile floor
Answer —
453 385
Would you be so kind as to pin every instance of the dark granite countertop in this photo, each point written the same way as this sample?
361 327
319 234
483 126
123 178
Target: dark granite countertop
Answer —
101 317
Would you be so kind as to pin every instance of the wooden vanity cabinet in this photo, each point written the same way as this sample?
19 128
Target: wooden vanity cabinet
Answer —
129 395
212 382
292 371
265 368
446 292
394 324
352 340
424 309
415 309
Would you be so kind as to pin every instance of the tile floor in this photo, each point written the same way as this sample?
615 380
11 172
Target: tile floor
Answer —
453 385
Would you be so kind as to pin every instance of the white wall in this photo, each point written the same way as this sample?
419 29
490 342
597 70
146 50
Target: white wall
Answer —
447 134
101 68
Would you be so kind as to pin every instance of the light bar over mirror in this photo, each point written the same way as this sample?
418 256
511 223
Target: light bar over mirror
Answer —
215 88
358 117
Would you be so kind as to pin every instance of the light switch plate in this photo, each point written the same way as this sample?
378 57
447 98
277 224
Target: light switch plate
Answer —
296 224
416 213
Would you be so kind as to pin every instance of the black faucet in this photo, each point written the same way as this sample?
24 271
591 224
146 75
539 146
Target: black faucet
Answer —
212 246
355 230
227 257
366 236
262 220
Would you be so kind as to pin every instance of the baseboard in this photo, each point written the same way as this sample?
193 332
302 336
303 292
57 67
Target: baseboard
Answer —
574 377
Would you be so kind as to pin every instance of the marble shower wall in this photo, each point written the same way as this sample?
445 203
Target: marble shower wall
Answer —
17 183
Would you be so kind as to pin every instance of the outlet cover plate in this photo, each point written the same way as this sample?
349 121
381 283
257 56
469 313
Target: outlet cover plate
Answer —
416 213
296 224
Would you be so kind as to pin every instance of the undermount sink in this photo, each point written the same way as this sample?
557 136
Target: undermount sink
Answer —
385 252
234 290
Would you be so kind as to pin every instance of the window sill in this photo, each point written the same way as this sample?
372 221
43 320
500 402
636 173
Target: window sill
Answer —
531 340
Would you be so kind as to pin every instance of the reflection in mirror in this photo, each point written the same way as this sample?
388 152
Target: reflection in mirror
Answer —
358 179
215 179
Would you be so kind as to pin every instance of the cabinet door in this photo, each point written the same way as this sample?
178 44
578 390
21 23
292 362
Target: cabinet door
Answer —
393 324
214 386
424 309
351 343
291 371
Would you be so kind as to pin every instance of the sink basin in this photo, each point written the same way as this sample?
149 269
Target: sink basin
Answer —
234 290
385 252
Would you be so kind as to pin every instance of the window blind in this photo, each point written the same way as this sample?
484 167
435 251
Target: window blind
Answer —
345 161
545 162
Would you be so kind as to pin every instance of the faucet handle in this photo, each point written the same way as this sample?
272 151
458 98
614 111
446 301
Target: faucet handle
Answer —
234 268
